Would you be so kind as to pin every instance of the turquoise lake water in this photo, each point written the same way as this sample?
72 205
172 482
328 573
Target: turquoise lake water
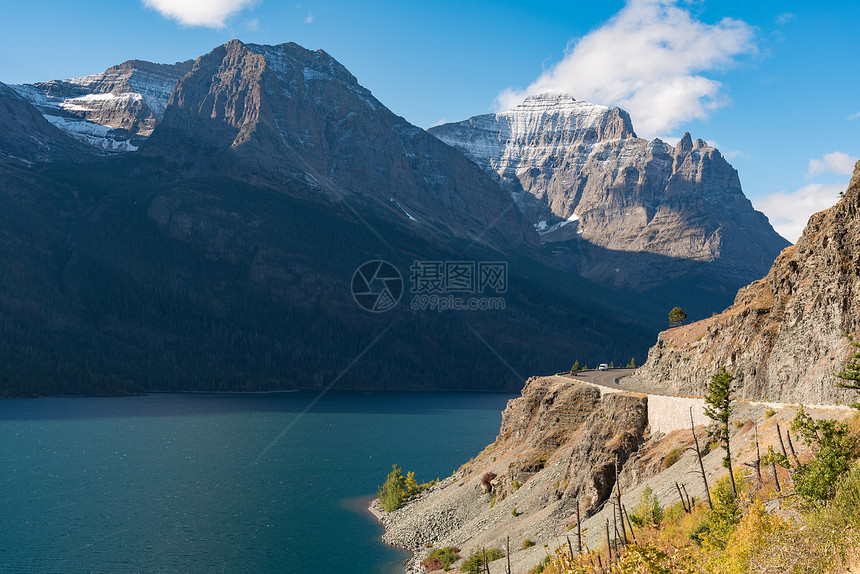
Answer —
176 483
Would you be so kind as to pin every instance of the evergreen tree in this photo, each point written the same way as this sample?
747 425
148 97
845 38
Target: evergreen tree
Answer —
718 406
575 366
676 317
632 363
391 493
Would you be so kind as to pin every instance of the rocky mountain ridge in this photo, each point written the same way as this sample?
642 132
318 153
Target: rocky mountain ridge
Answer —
114 111
600 194
275 114
784 336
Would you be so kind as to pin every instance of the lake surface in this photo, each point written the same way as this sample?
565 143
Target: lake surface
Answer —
179 483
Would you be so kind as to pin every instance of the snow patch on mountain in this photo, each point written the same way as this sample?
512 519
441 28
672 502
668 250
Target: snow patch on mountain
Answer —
406 213
99 136
127 101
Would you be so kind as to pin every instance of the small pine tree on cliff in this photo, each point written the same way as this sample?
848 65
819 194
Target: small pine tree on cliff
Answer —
676 317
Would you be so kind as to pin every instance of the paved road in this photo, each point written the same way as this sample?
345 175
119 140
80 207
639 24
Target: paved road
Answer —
602 378
607 379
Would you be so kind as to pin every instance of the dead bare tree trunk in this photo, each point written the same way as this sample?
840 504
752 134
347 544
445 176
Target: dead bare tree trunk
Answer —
781 444
701 465
681 495
775 477
618 487
578 529
608 543
757 456
791 447
689 500
569 548
630 524
508 551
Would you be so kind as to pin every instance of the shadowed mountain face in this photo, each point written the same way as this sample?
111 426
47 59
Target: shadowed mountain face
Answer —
221 255
583 178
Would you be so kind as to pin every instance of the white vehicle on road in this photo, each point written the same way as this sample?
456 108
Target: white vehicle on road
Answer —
602 367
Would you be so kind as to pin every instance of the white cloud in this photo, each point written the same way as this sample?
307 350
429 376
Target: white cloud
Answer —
854 116
789 212
648 59
309 19
785 18
837 162
209 13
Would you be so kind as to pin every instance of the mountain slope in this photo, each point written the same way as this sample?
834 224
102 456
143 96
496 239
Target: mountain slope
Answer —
784 335
274 114
221 255
588 184
112 111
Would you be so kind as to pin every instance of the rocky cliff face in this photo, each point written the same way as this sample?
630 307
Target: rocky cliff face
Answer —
27 137
113 111
558 443
584 179
275 114
784 335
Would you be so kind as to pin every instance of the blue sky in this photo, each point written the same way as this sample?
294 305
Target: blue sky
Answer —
770 83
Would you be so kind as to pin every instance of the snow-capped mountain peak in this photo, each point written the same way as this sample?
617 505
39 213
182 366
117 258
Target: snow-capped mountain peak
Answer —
115 110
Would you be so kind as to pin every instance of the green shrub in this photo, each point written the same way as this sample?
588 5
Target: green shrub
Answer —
515 512
672 457
846 499
724 518
397 488
475 562
834 449
441 558
648 510
769 413
528 543
541 566
701 531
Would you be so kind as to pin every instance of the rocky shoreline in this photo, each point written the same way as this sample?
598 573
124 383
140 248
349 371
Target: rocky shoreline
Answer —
556 450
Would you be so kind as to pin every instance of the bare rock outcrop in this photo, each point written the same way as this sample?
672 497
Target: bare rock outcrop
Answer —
784 336
558 443
604 196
